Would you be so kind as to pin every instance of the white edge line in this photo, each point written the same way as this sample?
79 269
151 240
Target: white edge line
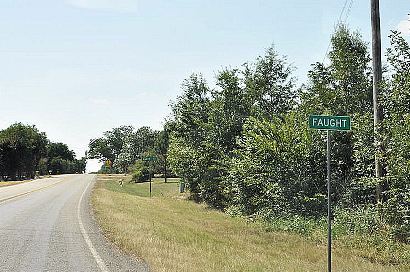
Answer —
94 252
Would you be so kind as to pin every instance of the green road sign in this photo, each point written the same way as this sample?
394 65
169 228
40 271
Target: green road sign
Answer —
149 158
329 122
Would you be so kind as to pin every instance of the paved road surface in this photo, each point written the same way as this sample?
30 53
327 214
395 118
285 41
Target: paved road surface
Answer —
45 225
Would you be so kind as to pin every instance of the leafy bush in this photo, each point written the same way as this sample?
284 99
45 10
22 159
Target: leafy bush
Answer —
396 210
275 167
298 224
139 171
359 220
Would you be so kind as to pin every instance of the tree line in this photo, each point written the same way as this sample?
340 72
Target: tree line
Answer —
245 147
126 150
25 153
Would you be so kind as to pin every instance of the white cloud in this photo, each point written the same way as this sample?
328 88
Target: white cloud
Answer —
404 26
109 5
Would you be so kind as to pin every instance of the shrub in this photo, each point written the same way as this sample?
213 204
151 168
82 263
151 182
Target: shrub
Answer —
139 171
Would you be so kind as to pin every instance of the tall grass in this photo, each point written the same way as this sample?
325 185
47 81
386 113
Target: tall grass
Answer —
174 234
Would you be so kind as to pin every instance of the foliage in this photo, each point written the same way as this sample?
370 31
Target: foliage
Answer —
60 150
270 85
344 86
206 123
24 151
110 145
121 147
275 172
21 150
245 147
161 146
395 211
139 171
61 160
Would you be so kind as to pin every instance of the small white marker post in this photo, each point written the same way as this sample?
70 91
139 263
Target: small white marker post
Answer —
328 123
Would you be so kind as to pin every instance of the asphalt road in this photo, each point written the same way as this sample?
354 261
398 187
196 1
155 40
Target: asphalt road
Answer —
46 225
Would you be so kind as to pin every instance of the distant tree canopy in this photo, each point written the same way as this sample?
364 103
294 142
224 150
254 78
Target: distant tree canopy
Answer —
21 148
123 149
61 160
24 151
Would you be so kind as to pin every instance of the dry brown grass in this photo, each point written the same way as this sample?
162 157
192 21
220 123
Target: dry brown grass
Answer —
173 234
11 183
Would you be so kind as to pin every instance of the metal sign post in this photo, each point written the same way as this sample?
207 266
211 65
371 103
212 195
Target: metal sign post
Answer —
150 159
329 211
150 186
328 123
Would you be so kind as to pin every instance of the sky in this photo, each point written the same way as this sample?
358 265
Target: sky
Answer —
77 68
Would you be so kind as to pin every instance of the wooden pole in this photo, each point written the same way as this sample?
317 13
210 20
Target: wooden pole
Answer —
377 79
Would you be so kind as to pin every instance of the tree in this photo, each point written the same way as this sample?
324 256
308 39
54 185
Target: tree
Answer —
229 109
344 87
100 149
80 165
397 105
275 171
190 115
61 160
206 123
161 146
123 161
22 147
60 150
139 171
24 151
270 84
110 146
396 127
121 147
140 141
190 112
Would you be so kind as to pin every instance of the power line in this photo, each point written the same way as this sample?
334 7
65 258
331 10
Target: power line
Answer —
349 10
346 11
343 10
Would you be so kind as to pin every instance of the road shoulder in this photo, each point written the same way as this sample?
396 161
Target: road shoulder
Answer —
105 248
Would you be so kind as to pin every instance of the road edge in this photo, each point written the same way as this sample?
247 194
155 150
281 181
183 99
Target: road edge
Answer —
140 264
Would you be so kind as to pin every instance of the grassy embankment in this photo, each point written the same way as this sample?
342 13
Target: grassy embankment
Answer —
173 234
11 183
16 182
8 183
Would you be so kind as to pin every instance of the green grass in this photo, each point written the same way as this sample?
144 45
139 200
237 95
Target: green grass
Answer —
173 234
377 247
158 187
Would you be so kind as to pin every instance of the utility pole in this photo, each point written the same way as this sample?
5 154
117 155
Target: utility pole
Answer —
377 79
